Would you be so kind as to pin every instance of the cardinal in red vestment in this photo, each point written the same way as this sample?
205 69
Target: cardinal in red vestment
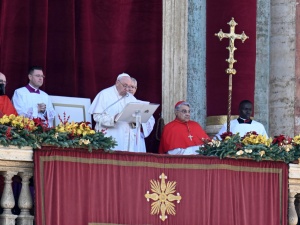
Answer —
182 136
6 107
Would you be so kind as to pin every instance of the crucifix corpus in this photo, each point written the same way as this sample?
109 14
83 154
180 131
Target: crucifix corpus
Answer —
231 71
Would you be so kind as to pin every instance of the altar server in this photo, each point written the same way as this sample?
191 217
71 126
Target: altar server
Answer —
107 105
32 102
243 123
146 127
182 136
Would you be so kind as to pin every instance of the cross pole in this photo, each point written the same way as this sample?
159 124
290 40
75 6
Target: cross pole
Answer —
230 70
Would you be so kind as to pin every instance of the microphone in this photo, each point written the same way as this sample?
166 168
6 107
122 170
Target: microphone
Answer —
127 94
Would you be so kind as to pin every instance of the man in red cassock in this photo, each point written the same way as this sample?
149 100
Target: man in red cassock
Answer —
6 107
182 136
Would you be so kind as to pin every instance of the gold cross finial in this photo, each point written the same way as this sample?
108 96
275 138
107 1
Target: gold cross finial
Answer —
230 70
231 48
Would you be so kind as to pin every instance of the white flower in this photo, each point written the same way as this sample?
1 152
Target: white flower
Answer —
84 141
248 150
240 152
217 143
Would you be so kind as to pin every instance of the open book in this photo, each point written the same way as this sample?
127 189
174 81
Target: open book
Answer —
132 109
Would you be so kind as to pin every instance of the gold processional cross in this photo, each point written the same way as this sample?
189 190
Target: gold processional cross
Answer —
231 71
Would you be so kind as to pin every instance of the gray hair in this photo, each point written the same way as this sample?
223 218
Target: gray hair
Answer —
181 104
134 81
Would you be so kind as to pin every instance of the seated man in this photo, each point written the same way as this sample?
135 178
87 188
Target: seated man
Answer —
243 124
182 136
6 107
31 102
146 127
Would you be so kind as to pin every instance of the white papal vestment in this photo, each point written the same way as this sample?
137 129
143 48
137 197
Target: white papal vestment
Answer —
105 106
140 145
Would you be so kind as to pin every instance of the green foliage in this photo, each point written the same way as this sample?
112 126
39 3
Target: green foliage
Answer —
67 140
17 137
35 139
234 147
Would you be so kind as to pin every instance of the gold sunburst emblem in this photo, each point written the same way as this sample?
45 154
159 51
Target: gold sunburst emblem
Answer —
163 197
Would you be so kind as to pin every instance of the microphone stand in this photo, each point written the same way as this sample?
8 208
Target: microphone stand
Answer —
138 122
115 102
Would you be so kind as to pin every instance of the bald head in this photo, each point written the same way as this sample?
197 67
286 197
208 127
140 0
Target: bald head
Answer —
2 84
2 79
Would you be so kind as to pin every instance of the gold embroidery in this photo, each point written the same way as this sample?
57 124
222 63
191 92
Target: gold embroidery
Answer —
163 197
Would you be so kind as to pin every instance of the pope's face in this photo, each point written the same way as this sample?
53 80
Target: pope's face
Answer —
36 78
122 85
183 114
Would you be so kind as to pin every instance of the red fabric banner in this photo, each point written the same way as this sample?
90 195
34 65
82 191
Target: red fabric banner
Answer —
76 187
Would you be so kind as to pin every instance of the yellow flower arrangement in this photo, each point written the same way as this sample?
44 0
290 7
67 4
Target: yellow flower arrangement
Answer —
19 122
254 146
254 139
76 135
75 128
20 131
296 140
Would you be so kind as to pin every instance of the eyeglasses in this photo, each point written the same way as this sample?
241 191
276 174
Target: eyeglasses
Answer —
124 85
38 75
3 82
131 87
185 111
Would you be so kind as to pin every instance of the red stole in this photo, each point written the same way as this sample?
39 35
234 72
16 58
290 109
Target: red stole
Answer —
6 107
176 134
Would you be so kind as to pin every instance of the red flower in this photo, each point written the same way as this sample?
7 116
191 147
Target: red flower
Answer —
38 122
238 146
103 131
206 140
251 133
226 134
65 120
8 133
282 140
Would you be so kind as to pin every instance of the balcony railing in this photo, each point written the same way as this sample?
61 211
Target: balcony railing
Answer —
14 161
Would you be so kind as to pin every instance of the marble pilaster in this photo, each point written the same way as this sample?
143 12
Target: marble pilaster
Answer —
174 55
282 68
196 73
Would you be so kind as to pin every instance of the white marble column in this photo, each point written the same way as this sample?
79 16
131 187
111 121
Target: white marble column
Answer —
174 55
282 67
